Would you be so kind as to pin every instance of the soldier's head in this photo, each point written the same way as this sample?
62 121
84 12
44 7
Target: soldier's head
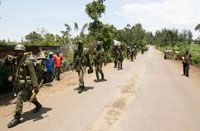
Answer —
19 50
80 44
98 44
187 51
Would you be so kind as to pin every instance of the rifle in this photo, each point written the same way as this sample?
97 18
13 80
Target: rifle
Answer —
34 95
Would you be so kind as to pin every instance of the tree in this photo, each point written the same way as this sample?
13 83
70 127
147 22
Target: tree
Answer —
95 10
33 38
197 28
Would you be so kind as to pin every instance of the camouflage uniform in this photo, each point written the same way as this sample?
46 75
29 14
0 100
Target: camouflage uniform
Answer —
128 52
120 58
135 52
81 60
25 81
115 55
132 53
99 58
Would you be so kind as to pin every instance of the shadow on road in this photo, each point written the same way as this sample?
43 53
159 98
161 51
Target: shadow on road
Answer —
96 81
47 85
86 89
6 99
29 115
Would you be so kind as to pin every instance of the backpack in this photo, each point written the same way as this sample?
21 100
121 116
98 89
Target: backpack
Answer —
39 67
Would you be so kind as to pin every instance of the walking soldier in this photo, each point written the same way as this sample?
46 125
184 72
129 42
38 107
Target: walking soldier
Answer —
25 79
99 58
80 61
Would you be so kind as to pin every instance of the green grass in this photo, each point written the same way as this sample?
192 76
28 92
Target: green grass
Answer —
194 51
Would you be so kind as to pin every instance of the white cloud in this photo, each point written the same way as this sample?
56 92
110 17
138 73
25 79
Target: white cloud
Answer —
180 14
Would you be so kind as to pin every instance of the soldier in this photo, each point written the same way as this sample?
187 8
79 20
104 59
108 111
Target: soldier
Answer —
25 79
132 53
120 58
99 58
80 61
115 53
135 51
186 62
142 50
128 52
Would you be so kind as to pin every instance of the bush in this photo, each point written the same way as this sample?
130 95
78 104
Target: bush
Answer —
5 86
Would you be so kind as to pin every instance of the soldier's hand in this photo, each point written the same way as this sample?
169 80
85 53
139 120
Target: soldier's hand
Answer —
10 57
72 68
36 91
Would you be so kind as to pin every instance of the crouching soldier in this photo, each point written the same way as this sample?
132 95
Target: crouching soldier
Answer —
24 79
99 58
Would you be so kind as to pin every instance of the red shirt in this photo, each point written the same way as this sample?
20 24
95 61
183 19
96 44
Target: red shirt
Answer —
57 60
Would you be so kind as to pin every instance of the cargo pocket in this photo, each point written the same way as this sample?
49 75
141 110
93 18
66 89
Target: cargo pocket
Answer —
28 81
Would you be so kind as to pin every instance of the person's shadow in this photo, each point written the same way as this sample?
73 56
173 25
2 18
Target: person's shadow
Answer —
29 115
85 89
96 81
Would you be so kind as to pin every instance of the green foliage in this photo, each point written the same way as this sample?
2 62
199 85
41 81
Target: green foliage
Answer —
95 9
181 47
33 38
168 37
4 73
109 57
197 27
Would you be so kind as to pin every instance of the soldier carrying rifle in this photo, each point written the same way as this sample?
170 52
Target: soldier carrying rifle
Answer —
24 79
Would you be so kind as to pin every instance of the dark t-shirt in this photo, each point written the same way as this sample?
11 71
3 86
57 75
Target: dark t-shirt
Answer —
187 58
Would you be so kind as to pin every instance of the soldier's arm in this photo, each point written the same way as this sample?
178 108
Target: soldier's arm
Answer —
74 62
32 74
8 60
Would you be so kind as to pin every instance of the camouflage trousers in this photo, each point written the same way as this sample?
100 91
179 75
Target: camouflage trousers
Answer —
120 64
81 77
115 62
23 95
98 69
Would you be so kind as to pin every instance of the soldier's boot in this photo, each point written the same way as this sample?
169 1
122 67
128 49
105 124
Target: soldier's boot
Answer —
38 106
97 77
15 121
81 89
102 76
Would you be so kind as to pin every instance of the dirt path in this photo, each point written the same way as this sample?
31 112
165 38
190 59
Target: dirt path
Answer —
148 94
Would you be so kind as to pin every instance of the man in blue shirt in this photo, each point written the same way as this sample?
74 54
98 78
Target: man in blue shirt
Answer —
50 67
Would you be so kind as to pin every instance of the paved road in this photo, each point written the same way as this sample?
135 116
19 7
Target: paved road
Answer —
149 94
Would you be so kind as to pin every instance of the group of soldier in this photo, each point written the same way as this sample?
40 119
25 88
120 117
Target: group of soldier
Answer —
24 75
82 59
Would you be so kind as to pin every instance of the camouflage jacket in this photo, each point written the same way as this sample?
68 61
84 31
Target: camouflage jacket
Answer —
120 56
23 72
81 59
99 57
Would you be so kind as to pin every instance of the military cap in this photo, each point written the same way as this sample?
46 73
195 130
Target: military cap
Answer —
20 47
98 42
80 42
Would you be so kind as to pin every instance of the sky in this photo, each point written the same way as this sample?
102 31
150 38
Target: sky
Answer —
20 17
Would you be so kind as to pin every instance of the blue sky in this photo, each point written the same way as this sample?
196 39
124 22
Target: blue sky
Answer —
20 17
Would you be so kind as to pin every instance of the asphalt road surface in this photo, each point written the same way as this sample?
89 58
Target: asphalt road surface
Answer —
149 94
